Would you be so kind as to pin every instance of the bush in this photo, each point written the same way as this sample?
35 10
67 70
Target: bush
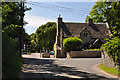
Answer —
11 63
112 46
86 45
72 44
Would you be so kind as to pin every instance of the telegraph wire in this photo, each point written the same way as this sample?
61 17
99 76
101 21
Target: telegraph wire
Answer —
67 7
66 11
62 7
57 13
62 11
75 6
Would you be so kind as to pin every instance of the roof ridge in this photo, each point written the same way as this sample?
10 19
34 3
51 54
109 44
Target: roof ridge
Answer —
73 22
83 22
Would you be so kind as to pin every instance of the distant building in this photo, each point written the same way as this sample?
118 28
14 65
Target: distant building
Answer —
92 33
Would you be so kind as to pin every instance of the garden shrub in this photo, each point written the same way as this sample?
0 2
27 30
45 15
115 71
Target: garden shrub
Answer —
112 47
86 45
11 62
72 44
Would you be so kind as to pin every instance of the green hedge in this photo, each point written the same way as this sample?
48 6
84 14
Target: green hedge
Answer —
72 44
112 46
11 63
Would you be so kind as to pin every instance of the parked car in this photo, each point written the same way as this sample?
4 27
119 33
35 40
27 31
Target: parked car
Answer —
51 52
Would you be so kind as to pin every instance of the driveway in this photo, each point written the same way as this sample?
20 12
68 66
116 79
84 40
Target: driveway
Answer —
70 69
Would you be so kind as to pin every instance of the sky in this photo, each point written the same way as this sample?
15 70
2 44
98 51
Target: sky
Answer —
43 12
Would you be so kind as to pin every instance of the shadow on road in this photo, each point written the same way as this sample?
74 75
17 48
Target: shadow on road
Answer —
47 69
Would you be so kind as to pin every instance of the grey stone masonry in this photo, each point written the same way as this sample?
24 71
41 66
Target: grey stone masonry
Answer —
108 61
84 54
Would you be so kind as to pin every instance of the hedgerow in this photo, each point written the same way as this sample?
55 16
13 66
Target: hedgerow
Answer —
112 47
11 62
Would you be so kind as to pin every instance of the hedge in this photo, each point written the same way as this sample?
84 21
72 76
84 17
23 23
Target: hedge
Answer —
72 44
112 46
11 62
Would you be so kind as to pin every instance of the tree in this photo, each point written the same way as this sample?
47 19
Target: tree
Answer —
11 12
33 42
45 36
11 30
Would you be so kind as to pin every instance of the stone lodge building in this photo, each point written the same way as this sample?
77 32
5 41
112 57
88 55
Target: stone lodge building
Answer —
93 33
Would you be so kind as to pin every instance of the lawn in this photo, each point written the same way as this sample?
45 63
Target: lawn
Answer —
109 70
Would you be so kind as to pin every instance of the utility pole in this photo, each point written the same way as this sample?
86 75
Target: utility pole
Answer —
21 24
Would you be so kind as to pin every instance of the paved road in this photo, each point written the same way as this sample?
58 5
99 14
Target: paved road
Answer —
74 68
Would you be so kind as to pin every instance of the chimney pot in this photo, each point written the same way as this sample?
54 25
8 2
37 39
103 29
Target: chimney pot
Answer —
59 15
90 22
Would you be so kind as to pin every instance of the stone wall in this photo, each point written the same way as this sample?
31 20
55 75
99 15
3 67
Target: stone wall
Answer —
44 55
84 54
108 61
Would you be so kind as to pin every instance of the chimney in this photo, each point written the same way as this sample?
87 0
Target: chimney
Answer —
90 22
92 25
59 19
59 24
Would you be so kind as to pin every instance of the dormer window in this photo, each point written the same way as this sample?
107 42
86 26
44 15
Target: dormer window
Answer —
85 34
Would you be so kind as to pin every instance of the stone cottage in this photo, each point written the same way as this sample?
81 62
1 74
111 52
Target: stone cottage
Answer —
92 33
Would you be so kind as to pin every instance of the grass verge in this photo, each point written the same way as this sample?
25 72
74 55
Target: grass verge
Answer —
110 70
91 49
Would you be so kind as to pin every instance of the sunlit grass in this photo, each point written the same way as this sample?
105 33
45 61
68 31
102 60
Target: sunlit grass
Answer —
92 49
110 70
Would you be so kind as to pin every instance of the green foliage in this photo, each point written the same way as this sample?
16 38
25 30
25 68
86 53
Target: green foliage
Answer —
11 63
109 70
0 14
11 29
92 49
112 46
72 44
11 12
44 36
33 42
86 45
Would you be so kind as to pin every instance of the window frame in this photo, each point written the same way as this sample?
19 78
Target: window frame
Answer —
85 34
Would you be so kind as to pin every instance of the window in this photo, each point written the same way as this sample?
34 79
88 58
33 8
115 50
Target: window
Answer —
85 34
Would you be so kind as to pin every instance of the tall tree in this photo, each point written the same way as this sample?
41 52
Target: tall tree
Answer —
45 36
11 62
11 12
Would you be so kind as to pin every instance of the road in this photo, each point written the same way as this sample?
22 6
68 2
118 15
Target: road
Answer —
65 68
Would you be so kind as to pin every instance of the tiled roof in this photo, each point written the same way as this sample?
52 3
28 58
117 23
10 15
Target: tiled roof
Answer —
98 30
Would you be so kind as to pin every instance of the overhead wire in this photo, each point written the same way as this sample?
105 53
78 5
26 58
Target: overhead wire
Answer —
76 6
62 7
80 9
63 10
